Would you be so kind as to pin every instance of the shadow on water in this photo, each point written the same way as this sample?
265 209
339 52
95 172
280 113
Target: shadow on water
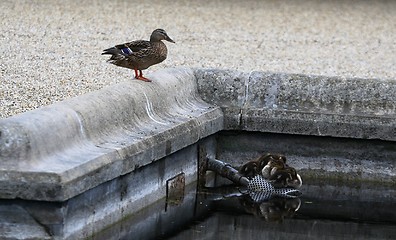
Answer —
322 212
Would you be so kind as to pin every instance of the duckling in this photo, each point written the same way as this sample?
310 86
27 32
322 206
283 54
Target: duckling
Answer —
249 169
255 166
265 158
286 177
275 162
140 54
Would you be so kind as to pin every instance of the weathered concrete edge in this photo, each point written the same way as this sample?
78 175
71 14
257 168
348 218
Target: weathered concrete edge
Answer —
302 104
140 123
62 150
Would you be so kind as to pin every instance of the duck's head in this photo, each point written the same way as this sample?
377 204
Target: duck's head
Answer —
160 34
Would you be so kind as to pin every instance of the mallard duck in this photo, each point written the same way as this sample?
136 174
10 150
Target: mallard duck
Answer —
140 54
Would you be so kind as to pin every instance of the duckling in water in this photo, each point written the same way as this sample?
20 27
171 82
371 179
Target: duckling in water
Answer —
273 167
256 166
286 177
249 169
280 174
275 162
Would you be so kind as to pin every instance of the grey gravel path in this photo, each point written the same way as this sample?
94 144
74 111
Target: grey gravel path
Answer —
50 50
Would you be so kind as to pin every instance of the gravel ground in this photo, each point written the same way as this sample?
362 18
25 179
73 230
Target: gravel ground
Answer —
50 50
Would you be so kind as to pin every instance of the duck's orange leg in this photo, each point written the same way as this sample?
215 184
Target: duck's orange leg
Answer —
136 73
140 76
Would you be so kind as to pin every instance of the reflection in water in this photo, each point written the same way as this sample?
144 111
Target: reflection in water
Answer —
223 225
323 212
272 210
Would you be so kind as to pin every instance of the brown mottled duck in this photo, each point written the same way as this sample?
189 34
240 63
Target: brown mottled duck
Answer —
140 54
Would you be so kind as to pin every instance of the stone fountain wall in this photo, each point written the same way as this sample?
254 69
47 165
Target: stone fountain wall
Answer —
93 159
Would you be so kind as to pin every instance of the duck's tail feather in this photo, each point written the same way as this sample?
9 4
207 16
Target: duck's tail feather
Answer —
111 51
116 54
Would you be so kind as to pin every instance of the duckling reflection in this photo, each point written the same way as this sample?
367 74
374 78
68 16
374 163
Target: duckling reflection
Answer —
273 210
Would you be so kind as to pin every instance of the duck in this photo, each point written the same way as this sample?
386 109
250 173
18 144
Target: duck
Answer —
140 54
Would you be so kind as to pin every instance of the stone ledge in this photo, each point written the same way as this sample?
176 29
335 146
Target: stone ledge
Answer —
59 151
302 104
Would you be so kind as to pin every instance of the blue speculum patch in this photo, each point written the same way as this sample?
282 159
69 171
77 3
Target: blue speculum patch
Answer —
126 51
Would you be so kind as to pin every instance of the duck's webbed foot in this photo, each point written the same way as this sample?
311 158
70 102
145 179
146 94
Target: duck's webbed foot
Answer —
143 78
140 76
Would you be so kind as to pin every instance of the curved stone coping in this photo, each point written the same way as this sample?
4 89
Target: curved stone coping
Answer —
59 151
302 104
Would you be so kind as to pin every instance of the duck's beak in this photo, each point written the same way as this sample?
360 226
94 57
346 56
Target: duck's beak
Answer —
169 39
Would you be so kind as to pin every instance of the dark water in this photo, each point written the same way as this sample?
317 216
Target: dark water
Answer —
322 212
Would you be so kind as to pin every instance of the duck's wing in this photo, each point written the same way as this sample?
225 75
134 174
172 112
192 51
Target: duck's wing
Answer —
138 47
